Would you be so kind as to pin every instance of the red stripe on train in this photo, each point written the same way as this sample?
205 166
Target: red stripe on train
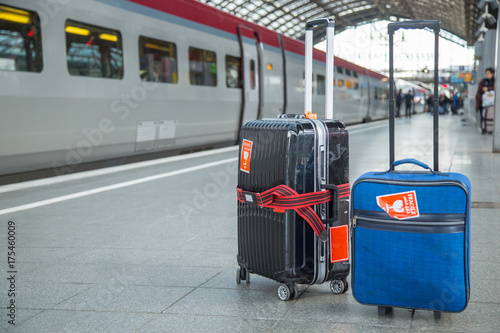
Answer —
207 15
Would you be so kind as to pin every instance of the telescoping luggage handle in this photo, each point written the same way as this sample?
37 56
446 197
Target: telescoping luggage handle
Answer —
330 32
435 25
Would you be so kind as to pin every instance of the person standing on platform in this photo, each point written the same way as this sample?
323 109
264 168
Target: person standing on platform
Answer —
430 103
399 101
409 102
486 84
455 105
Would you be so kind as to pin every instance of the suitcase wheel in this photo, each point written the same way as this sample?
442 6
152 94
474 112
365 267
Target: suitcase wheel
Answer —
238 276
242 274
287 291
437 315
346 286
338 286
383 310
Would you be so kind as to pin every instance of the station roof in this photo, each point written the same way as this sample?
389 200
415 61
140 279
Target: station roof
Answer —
288 17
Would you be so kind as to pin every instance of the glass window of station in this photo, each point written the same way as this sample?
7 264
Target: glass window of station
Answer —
202 67
233 72
158 60
93 51
313 88
20 40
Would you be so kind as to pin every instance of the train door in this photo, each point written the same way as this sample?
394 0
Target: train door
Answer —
251 100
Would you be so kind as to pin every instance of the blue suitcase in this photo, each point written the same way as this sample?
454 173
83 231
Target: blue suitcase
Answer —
411 229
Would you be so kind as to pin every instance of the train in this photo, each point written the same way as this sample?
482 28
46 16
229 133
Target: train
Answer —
113 81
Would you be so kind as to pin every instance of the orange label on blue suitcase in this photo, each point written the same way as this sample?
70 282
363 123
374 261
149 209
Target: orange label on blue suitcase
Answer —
246 153
339 243
399 205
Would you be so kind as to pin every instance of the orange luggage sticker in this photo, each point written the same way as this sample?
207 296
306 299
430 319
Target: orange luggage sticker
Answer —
399 205
339 243
246 153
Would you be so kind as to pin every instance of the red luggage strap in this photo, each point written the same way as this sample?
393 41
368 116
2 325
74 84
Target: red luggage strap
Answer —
282 198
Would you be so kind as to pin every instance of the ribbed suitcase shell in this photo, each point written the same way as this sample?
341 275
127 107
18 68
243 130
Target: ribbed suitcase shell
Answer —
418 263
282 246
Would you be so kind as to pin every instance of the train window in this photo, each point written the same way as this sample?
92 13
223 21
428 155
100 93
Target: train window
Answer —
157 60
348 72
233 72
340 70
93 51
348 84
304 82
20 40
340 83
202 67
252 74
355 74
321 84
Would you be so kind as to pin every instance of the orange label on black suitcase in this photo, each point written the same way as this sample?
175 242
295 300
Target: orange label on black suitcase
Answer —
399 205
339 243
246 153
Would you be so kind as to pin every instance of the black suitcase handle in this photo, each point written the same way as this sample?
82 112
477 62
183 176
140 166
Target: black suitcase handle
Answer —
328 21
415 24
291 116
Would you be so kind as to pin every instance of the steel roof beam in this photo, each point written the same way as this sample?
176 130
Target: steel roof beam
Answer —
457 16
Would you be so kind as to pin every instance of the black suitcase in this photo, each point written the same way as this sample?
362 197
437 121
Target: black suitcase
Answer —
293 191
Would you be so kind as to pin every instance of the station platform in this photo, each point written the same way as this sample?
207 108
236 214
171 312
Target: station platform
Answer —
151 246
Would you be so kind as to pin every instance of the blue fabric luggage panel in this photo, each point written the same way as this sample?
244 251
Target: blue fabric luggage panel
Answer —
410 230
419 262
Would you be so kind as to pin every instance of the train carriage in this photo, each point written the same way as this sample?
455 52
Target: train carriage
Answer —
100 80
